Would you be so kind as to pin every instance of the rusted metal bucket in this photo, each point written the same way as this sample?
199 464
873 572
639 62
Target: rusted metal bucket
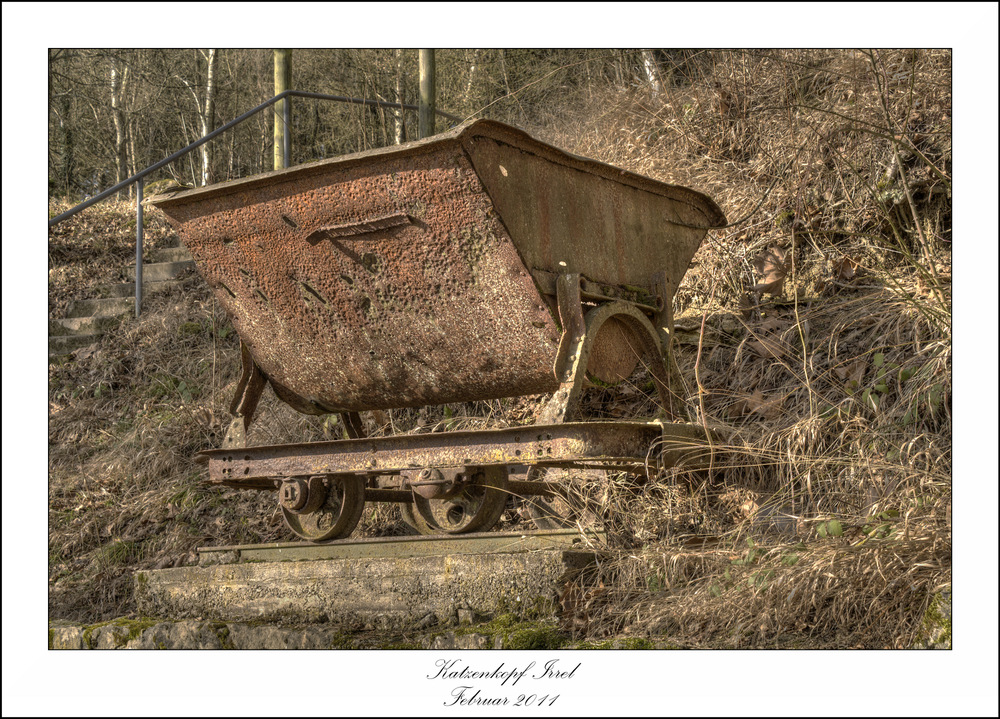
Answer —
425 273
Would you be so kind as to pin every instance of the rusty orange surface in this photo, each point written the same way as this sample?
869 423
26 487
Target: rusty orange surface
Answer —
402 276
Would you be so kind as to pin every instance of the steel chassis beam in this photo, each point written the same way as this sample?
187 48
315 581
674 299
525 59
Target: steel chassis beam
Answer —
634 446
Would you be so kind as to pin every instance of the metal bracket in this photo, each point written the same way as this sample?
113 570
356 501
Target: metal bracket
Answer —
354 426
663 318
244 404
663 321
570 363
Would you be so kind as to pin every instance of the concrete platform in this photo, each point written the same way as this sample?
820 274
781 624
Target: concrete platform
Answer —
415 582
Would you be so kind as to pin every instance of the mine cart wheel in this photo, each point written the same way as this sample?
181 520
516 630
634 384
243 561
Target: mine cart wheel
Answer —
570 507
476 506
414 519
338 514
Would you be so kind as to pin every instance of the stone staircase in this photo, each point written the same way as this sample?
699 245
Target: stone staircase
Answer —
87 320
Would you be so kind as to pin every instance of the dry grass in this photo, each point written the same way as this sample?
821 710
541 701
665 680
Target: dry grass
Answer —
825 520
94 249
833 396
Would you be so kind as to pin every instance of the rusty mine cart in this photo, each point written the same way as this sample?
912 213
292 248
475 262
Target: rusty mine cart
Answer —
473 265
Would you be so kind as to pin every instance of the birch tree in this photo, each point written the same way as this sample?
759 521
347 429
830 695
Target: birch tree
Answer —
652 69
400 124
205 107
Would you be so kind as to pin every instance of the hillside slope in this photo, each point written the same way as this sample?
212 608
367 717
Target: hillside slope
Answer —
814 333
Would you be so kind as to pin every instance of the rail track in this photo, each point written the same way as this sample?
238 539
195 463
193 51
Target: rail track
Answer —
588 540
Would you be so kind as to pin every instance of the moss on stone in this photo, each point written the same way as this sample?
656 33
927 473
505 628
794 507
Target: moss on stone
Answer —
52 637
623 643
537 607
135 629
88 634
935 630
342 640
535 638
518 633
222 632
401 646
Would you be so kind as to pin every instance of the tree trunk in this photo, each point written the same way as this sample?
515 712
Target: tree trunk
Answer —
472 74
207 117
66 141
426 93
652 71
282 82
119 78
400 130
205 110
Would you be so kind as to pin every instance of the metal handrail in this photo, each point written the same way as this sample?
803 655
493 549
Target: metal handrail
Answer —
138 177
212 135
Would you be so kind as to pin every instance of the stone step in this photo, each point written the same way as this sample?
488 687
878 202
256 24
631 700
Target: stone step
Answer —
127 289
167 254
170 242
162 271
109 307
81 325
64 344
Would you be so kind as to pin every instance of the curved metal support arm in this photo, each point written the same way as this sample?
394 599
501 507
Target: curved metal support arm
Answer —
579 335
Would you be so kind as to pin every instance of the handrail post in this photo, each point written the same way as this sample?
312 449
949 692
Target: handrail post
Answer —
427 93
138 246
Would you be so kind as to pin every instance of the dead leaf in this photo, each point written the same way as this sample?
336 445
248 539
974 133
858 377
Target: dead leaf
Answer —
773 264
758 404
205 417
770 325
845 269
85 352
770 347
852 374
737 408
576 603
768 409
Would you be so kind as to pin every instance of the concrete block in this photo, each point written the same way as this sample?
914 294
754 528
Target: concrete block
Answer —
366 593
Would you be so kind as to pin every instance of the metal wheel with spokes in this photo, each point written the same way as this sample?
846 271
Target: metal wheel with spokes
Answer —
474 506
414 519
335 516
